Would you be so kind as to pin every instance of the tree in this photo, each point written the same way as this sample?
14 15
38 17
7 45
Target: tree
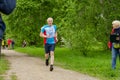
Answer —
82 23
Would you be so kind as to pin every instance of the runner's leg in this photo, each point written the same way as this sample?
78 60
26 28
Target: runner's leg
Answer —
47 54
52 48
52 57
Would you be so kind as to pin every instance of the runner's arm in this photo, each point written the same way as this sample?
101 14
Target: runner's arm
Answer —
42 35
56 36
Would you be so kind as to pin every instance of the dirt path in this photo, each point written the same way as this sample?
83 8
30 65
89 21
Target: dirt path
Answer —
30 68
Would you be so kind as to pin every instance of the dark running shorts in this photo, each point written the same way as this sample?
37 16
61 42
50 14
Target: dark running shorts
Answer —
49 47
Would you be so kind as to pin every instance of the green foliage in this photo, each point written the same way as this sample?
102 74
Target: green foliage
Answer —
81 23
24 24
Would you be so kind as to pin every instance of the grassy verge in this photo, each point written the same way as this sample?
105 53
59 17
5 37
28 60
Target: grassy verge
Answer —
96 63
4 66
13 77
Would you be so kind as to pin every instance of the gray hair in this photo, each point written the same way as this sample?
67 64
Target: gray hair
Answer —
50 18
116 22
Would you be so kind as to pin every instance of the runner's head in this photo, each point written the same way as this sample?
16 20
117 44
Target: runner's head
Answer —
50 21
116 24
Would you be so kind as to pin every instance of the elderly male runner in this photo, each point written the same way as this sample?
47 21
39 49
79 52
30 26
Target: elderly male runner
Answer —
49 33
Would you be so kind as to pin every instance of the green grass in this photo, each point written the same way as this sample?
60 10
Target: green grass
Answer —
4 66
1 78
96 63
13 77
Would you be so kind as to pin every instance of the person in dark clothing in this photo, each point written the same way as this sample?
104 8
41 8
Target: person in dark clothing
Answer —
12 44
2 29
24 43
115 40
6 7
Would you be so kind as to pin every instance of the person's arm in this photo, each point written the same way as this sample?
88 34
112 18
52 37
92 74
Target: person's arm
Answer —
56 36
42 35
42 32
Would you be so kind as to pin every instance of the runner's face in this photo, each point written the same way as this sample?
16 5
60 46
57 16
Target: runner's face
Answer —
115 26
50 21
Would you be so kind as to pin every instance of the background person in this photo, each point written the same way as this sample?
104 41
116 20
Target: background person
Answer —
9 41
6 7
24 43
12 44
115 40
3 43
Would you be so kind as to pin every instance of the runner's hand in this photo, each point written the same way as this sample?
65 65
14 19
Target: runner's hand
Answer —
56 39
46 36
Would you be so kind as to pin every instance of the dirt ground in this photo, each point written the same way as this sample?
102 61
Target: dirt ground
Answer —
24 67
